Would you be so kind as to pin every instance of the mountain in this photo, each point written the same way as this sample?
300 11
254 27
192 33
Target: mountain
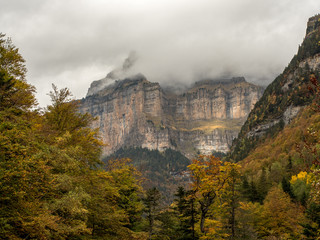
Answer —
132 111
284 98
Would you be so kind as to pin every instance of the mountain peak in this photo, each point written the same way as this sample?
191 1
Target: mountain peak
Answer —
121 73
313 25
284 97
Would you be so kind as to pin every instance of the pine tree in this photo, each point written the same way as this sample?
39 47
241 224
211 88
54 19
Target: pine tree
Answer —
286 187
151 202
186 209
263 185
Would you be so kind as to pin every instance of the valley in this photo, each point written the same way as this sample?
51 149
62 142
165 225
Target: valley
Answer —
220 158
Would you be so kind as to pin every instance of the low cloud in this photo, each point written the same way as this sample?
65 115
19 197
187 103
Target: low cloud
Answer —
72 43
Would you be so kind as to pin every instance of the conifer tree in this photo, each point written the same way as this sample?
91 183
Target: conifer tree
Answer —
185 206
151 202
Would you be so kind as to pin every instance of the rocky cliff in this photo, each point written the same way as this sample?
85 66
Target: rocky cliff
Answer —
284 97
136 112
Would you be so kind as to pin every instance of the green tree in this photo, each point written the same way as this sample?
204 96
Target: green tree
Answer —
126 179
151 202
231 196
263 185
286 187
168 226
186 210
72 152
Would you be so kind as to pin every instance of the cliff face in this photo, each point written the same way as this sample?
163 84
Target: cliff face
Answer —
284 97
206 100
136 112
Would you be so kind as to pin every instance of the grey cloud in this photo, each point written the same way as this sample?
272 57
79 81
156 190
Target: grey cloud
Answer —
71 43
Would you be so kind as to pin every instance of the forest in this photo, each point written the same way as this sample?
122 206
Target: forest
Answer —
164 170
54 185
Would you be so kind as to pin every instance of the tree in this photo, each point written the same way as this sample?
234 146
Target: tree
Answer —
10 59
72 151
52 183
65 126
151 202
230 196
126 179
185 208
280 217
209 176
25 178
263 185
311 227
286 187
106 217
168 226
14 91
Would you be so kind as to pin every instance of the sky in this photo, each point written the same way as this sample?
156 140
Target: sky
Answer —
71 43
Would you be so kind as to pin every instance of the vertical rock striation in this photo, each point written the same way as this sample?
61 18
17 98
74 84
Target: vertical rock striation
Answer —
136 112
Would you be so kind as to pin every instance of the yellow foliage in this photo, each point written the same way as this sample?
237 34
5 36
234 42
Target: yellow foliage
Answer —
277 218
303 176
280 216
212 230
210 179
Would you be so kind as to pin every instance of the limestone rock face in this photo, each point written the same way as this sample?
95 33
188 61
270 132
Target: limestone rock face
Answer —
136 112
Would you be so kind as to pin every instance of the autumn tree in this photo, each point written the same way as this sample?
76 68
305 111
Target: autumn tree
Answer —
277 218
209 177
15 92
11 60
280 217
306 185
25 179
52 182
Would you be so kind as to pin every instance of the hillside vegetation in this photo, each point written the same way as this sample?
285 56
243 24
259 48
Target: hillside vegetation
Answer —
165 171
281 154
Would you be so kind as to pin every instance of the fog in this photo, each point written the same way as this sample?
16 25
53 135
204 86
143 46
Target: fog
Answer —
72 43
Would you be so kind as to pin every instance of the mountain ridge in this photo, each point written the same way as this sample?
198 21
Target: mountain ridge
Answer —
204 118
284 98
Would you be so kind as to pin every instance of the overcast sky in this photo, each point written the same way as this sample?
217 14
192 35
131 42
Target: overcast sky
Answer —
73 42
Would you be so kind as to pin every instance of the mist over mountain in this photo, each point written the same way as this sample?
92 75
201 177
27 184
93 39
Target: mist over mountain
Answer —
203 117
140 156
73 43
285 97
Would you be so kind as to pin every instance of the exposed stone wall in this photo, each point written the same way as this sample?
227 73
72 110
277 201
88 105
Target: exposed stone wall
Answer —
136 112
